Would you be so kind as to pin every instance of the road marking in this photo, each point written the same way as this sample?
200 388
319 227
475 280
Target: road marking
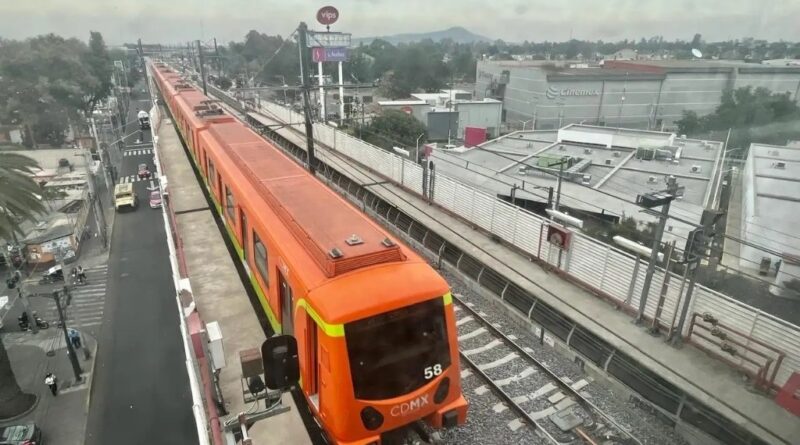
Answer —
472 334
492 344
498 362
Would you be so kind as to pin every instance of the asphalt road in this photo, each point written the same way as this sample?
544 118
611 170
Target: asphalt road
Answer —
141 388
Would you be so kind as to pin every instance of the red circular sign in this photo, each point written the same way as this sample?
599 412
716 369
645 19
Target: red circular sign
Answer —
327 15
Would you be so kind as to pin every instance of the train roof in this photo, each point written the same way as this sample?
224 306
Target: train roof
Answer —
333 233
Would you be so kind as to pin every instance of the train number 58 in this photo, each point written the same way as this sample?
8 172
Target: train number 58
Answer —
432 371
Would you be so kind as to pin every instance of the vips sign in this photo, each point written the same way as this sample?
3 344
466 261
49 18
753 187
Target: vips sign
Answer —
327 15
332 54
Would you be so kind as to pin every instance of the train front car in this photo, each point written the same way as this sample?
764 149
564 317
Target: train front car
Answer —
388 352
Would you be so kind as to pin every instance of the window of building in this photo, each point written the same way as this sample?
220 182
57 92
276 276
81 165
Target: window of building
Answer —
211 172
229 207
260 258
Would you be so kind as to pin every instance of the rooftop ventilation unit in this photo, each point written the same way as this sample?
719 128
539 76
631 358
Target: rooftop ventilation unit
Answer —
523 170
586 179
561 148
609 161
587 151
651 180
696 169
616 154
780 165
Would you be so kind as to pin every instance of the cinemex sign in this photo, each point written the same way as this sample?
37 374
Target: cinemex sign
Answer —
553 92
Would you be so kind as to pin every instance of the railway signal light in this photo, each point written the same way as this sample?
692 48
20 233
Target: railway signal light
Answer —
281 365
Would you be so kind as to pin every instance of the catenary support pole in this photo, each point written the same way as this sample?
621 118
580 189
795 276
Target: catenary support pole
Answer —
304 74
202 67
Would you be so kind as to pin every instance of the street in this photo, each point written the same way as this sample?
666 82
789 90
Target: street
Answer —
141 388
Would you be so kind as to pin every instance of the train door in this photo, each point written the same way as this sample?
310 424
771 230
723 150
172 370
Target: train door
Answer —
286 305
313 363
243 232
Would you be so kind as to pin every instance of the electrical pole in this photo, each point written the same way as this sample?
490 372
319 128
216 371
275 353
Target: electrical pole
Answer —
302 39
73 359
202 67
219 59
560 176
144 68
664 199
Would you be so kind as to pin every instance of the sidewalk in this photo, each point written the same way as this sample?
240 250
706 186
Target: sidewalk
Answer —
61 418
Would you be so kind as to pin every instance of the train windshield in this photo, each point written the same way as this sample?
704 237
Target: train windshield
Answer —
397 352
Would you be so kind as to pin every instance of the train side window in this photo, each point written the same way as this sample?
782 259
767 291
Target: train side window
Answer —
243 232
211 174
229 204
260 257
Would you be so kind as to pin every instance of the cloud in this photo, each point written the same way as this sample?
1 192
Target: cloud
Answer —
510 20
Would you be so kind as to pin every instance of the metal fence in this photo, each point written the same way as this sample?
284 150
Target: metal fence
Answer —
594 264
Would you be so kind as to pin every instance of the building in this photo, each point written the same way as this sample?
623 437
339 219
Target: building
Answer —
770 206
606 169
647 94
447 113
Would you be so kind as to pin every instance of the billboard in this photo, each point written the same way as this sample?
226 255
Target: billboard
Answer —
329 54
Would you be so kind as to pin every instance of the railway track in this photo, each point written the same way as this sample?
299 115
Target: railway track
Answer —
542 400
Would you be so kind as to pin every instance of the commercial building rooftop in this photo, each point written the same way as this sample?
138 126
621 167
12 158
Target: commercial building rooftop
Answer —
606 168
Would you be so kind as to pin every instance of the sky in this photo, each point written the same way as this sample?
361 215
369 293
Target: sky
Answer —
176 21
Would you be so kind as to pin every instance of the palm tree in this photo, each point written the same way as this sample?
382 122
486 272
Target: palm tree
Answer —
19 200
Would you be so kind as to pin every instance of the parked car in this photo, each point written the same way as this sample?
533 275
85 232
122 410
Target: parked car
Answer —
155 199
144 172
22 434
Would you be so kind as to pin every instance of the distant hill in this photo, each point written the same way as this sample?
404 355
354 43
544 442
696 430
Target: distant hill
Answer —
456 33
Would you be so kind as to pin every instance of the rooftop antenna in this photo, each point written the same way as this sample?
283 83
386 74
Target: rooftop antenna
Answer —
696 53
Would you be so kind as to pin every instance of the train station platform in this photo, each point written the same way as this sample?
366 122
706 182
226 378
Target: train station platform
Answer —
218 291
699 376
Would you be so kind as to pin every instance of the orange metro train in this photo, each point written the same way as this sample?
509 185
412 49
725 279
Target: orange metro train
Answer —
374 323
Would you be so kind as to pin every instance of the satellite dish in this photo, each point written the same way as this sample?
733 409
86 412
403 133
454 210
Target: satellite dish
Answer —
696 52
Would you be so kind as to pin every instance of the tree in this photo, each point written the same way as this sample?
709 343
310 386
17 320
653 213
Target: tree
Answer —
393 128
690 123
18 201
96 86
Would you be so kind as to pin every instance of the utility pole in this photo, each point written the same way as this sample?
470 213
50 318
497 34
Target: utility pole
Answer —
219 59
302 39
202 67
144 68
560 177
696 246
663 198
73 359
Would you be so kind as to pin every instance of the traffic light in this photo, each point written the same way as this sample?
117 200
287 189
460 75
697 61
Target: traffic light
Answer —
695 246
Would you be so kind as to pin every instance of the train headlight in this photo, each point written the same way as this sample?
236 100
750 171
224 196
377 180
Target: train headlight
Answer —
371 418
442 390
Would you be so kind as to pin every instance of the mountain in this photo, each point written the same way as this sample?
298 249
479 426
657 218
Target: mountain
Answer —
456 33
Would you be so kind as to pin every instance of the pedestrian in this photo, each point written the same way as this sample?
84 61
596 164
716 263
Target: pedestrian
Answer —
75 338
51 381
81 275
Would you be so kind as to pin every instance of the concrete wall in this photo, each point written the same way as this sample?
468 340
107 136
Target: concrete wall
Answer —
648 103
475 114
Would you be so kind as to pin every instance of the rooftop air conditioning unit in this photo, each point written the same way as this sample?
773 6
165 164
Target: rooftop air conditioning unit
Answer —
616 154
608 161
651 180
780 165
696 169
586 179
587 151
